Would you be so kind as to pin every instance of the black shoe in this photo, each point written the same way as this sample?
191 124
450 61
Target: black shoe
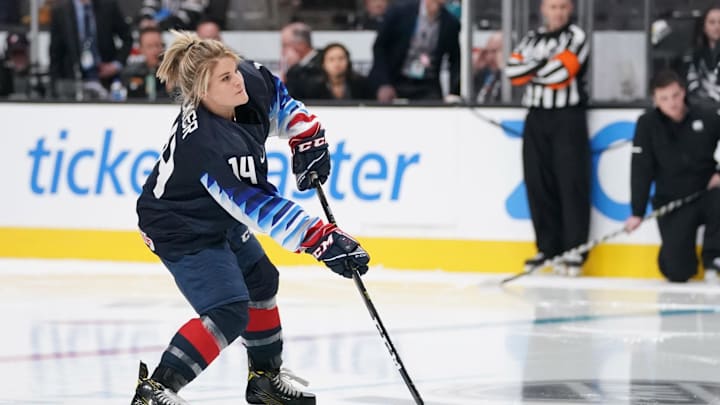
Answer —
151 392
274 387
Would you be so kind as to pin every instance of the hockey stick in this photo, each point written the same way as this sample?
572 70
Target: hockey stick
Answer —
491 121
618 144
586 247
368 303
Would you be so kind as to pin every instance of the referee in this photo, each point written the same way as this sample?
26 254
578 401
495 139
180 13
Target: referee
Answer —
674 146
551 63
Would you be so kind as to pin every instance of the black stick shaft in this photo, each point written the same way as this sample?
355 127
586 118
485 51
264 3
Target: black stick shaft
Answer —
586 247
368 303
495 123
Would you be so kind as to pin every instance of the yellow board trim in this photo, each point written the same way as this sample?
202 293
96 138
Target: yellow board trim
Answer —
609 260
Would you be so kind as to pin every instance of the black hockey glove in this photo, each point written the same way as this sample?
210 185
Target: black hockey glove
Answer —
338 250
310 154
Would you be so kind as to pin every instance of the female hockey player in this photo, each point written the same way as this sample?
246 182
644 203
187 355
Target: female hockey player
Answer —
209 184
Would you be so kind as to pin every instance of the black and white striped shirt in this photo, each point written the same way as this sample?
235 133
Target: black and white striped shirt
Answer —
703 81
552 66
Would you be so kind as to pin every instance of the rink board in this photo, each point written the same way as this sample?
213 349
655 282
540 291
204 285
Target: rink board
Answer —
424 188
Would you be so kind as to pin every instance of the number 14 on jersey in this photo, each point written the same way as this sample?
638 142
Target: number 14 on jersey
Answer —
244 169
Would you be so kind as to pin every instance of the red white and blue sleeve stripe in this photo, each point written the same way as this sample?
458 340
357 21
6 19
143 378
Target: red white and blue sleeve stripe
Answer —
289 117
283 220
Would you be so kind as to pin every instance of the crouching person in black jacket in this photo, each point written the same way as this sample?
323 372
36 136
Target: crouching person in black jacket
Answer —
674 147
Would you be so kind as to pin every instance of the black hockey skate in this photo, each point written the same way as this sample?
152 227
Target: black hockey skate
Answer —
535 261
274 387
572 265
151 392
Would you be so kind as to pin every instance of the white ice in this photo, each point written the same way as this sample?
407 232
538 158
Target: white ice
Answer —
73 333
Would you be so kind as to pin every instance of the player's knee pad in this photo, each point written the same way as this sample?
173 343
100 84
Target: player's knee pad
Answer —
262 280
227 322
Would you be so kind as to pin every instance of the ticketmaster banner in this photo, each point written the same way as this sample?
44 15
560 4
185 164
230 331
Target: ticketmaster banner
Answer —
398 173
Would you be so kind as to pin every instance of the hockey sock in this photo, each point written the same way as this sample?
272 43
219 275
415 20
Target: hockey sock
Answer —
198 343
263 335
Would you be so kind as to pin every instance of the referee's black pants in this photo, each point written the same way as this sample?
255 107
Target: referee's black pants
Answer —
556 165
678 231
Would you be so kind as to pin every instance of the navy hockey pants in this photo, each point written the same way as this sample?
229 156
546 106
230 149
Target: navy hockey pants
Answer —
236 270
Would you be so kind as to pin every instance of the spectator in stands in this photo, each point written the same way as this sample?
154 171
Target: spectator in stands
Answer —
551 63
208 28
15 75
339 81
673 147
373 15
702 72
139 78
487 70
167 14
409 49
302 61
83 37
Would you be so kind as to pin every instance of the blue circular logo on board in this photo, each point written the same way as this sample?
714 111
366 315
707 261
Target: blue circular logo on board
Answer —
516 203
608 135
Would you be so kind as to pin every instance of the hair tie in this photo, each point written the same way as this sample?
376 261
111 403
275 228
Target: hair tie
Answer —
190 45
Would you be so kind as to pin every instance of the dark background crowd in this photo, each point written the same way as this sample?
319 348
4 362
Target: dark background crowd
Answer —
109 49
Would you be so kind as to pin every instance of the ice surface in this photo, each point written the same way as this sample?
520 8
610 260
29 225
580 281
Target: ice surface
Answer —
73 333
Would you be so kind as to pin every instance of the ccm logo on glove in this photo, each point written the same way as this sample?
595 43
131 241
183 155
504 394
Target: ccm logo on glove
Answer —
324 245
338 250
310 154
314 143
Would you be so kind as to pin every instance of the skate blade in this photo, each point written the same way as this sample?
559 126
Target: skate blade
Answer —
574 272
535 269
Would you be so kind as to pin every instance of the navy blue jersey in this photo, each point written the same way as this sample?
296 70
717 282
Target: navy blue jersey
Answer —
212 173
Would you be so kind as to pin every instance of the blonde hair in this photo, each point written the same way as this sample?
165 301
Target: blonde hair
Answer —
188 62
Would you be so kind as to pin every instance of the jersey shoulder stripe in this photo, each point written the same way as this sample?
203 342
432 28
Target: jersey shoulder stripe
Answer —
283 220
